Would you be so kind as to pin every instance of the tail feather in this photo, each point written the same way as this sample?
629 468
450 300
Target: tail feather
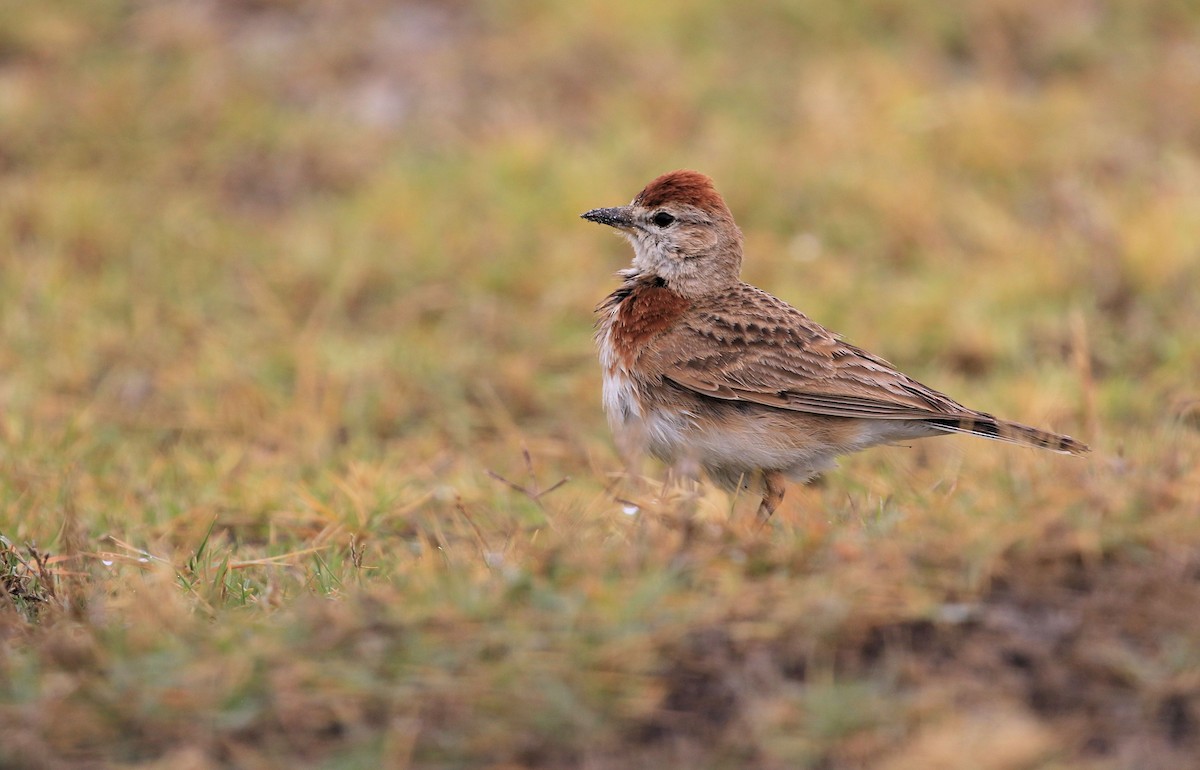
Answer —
987 426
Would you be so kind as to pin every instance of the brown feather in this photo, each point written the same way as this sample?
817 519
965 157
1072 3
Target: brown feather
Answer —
685 187
645 311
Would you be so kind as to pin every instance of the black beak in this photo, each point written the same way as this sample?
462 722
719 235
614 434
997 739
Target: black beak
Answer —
614 217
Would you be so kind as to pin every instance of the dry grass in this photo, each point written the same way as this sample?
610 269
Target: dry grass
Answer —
295 317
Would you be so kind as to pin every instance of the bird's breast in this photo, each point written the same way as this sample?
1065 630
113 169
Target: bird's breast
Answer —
634 316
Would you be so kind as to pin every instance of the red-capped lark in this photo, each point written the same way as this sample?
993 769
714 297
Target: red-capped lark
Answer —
706 372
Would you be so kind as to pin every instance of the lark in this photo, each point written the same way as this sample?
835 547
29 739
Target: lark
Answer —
708 373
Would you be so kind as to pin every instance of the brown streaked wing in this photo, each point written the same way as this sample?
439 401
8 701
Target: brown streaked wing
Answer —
750 346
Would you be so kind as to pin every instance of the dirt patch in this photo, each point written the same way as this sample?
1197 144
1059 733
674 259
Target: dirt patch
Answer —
1096 658
701 696
1104 650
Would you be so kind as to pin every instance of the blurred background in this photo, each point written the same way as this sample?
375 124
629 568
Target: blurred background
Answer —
279 276
357 222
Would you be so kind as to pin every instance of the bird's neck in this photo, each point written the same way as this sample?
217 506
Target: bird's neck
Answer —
686 285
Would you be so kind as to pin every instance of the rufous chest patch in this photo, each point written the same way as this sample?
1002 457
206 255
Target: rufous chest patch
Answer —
648 310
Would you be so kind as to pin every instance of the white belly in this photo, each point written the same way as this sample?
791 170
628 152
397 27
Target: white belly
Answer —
620 399
730 452
643 430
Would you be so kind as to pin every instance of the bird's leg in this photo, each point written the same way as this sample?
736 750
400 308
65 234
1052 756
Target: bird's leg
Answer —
772 494
686 474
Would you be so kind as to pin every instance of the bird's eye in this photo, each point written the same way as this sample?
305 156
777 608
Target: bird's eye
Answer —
662 219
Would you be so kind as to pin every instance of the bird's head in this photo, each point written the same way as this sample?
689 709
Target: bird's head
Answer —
682 232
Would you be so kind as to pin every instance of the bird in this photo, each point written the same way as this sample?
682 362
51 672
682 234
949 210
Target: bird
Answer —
708 373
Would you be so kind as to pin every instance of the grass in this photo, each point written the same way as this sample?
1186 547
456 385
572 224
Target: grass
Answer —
302 460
